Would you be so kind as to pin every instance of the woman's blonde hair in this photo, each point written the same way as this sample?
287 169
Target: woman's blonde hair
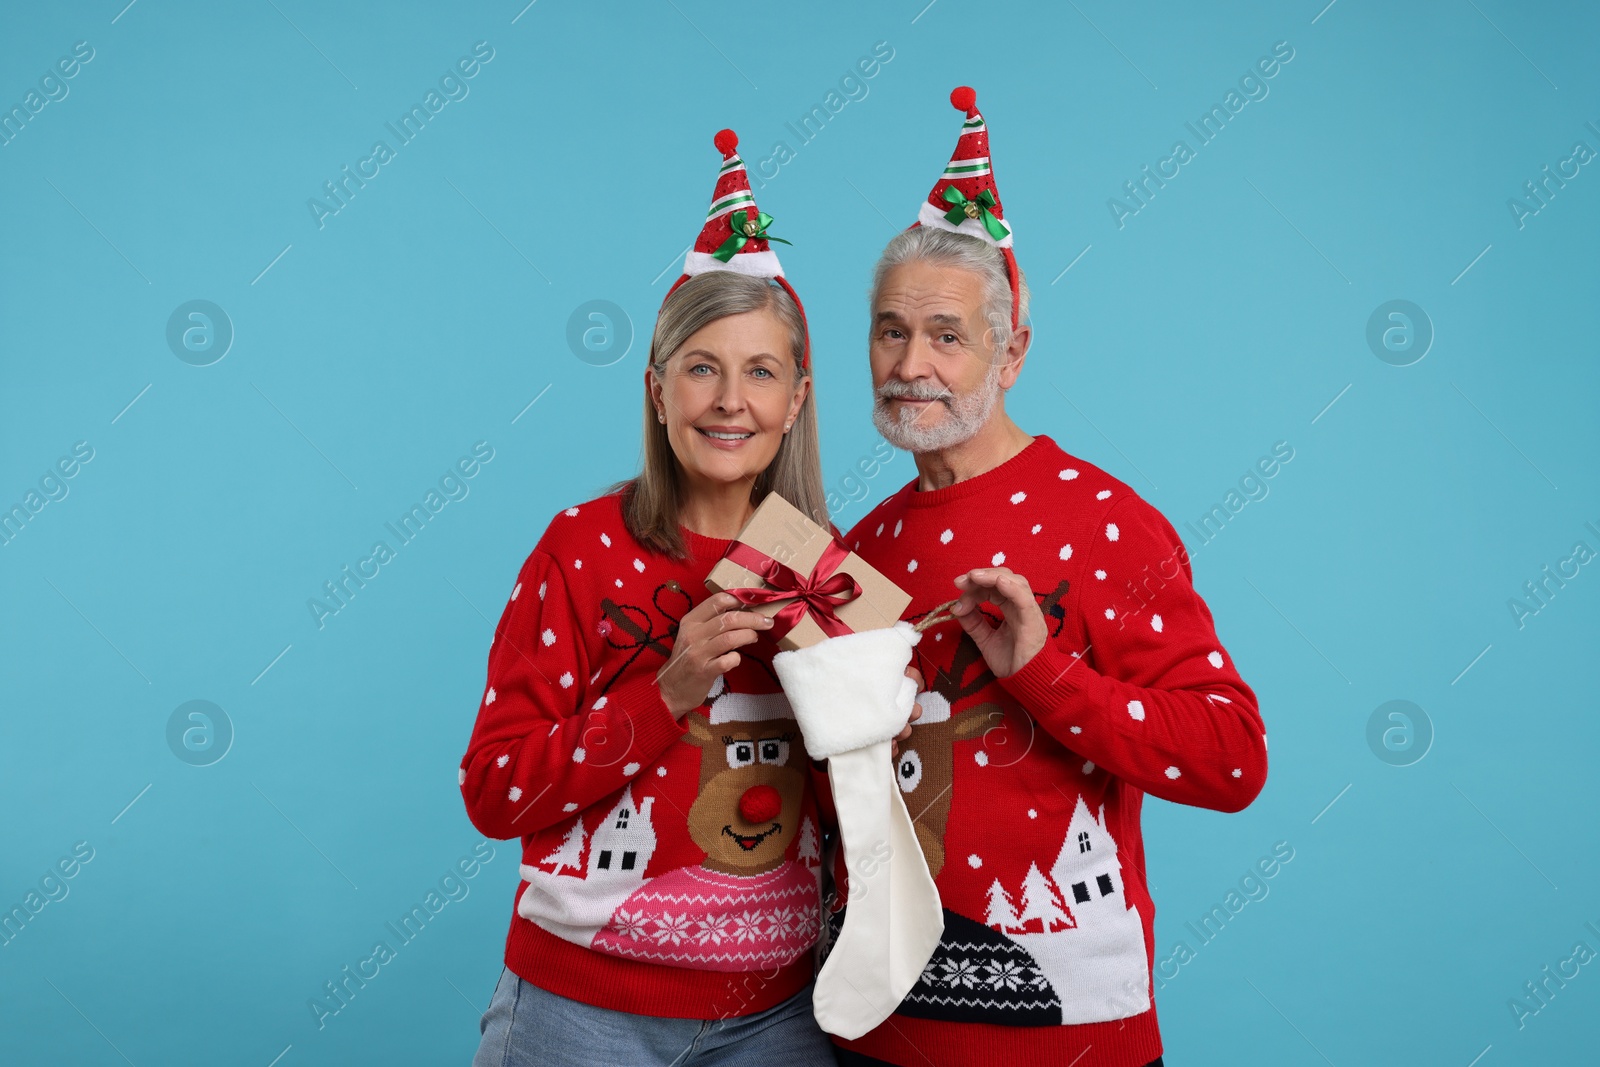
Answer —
652 501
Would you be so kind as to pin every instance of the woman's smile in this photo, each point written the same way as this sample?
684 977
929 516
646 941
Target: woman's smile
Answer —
728 438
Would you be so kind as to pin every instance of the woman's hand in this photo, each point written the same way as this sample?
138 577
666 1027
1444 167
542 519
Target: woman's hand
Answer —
705 649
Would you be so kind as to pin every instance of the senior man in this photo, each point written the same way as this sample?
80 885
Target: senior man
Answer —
1081 671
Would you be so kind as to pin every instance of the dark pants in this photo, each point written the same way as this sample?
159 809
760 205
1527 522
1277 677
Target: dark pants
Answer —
855 1059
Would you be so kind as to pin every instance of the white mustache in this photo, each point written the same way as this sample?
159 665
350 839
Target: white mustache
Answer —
894 389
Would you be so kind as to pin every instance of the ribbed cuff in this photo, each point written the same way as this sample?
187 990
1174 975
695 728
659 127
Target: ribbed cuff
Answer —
1049 679
654 726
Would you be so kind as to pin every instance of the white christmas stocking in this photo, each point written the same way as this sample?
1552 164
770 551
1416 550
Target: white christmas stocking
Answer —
850 696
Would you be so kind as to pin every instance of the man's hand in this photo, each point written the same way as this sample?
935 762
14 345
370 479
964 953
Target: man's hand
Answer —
916 713
1008 647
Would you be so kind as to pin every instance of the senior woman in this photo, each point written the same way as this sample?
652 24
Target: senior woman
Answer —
631 731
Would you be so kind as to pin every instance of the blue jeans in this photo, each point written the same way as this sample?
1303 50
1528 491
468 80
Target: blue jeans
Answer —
526 1026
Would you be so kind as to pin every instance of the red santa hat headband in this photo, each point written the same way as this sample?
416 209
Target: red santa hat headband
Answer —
965 198
735 236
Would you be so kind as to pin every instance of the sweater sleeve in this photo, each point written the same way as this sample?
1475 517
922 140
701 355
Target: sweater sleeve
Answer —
545 743
1162 707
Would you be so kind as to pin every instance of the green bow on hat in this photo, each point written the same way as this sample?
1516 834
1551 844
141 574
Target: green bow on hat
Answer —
976 208
747 229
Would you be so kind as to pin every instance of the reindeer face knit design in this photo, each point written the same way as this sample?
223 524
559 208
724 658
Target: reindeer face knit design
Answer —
1026 790
663 861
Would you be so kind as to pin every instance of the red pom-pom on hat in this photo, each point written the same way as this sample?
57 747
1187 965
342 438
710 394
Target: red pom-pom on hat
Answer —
963 98
727 142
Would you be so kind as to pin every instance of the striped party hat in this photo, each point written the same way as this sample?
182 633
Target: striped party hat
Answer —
965 198
735 235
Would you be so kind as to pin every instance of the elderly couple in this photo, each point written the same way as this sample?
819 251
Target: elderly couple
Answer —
681 876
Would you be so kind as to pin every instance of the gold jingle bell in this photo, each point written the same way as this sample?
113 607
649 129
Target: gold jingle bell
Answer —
750 227
971 209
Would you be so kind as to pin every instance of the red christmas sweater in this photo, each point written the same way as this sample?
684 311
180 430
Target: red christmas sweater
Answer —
1025 791
669 868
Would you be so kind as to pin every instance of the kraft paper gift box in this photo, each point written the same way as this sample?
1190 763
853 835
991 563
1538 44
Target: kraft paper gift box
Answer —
790 541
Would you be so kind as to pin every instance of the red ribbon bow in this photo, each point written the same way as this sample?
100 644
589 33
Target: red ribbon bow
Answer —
820 593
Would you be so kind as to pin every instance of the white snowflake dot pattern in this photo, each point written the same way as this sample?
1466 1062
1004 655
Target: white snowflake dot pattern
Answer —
1088 766
1112 533
542 587
618 581
601 702
1076 729
974 861
1101 575
565 679
1068 474
579 755
1238 772
516 792
605 539
638 565
572 511
1066 552
515 591
489 698
1102 494
946 537
981 758
1036 528
1173 772
630 769
461 776
880 530
1136 709
548 637
577 564
504 759
1155 623
912 566
998 558
1018 497
661 772
1033 813
1111 613
569 806
897 524
1215 659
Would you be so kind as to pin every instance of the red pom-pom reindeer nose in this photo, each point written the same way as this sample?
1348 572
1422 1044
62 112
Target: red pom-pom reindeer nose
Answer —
963 98
726 141
760 803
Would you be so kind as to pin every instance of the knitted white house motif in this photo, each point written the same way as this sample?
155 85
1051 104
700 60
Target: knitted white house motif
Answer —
1096 967
622 845
1087 870
575 907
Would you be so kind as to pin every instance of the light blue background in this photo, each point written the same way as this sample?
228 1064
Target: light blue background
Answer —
1223 317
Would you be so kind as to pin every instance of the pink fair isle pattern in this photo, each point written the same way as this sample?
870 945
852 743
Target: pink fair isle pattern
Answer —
693 917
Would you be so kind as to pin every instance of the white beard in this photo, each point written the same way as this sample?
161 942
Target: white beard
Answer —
965 416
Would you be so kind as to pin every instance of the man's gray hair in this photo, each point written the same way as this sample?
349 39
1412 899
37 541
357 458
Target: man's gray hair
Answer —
964 252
